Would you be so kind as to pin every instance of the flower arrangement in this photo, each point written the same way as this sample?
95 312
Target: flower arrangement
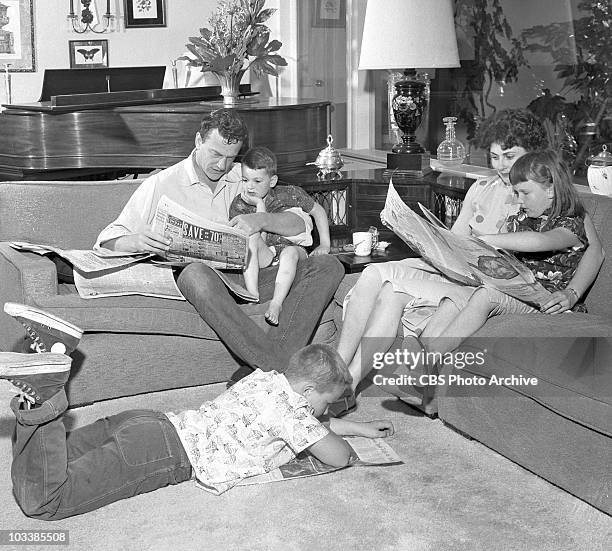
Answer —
236 41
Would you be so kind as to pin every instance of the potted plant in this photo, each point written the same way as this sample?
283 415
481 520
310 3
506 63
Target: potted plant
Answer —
236 41
497 57
582 55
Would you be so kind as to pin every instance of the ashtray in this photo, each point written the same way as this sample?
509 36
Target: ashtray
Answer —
382 245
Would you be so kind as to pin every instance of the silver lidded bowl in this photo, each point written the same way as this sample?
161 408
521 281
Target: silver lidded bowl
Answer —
329 161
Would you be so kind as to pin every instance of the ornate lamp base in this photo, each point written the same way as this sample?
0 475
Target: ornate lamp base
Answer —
409 104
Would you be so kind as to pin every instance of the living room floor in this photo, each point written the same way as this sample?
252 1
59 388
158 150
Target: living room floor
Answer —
451 493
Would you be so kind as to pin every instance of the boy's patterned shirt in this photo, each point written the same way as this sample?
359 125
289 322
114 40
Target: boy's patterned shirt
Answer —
255 426
553 269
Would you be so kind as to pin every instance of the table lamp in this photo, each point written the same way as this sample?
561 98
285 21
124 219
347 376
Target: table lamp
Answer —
408 35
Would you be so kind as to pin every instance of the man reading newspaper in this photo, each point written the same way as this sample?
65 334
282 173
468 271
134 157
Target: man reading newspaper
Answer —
206 183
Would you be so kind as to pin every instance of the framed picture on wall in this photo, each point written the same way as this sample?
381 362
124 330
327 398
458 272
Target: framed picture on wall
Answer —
144 13
17 36
88 54
329 13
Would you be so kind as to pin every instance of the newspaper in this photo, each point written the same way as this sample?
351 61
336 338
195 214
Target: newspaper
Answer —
85 260
136 279
196 239
465 259
366 451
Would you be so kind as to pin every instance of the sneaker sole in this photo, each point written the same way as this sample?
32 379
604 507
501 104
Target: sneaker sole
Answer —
34 314
13 364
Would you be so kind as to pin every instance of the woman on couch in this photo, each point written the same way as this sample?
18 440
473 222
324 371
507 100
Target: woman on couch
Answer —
414 288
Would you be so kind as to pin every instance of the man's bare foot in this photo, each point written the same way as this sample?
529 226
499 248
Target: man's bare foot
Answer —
273 313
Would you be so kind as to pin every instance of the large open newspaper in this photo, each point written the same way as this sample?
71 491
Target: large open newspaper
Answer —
365 452
197 239
465 259
105 273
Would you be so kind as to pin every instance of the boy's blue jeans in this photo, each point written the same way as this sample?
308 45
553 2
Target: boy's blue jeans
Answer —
315 283
57 474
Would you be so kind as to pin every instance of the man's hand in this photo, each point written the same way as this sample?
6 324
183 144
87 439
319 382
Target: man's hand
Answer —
559 302
146 241
321 249
249 223
376 429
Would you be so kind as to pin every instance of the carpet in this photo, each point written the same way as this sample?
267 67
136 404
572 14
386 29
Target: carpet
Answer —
451 493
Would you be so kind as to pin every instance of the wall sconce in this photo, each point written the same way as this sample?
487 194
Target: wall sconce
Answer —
83 23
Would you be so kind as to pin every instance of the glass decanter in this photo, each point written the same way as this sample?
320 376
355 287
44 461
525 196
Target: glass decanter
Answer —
451 152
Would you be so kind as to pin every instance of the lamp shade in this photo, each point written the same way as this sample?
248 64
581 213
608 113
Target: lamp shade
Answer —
401 34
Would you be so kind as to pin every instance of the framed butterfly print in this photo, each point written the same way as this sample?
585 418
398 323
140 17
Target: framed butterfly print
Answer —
88 54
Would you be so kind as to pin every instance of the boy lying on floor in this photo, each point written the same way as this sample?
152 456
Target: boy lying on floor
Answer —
260 423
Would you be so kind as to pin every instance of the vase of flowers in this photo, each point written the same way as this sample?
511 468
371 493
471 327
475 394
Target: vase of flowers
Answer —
236 41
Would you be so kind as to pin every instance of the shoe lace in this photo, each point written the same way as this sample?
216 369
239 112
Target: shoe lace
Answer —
37 344
27 394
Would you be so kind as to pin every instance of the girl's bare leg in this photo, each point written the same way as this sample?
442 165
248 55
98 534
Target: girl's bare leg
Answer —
450 326
287 264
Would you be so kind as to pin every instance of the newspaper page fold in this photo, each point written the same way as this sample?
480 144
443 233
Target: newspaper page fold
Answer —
84 260
465 259
136 279
366 451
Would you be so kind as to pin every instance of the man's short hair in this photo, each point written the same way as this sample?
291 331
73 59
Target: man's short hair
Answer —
321 365
260 157
229 124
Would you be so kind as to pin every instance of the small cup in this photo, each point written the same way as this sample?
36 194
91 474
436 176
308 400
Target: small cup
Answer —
362 243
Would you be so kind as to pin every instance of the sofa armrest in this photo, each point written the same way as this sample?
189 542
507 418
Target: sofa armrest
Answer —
25 276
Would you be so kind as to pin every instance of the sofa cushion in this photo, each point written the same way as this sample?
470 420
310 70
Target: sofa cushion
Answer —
569 354
141 314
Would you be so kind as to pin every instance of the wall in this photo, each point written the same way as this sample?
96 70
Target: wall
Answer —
148 46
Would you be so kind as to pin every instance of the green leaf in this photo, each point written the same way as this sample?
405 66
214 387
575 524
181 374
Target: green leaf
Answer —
265 15
222 64
276 60
274 46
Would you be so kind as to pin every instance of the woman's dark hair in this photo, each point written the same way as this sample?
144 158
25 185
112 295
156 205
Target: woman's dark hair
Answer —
547 169
229 124
510 128
260 157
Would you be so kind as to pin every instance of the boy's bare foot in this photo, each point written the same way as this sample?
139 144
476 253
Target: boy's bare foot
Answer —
273 313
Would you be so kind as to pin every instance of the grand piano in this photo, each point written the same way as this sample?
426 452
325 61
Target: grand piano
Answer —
104 125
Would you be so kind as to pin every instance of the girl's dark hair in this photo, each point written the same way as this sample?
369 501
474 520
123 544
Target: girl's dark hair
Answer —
547 168
510 128
260 157
229 124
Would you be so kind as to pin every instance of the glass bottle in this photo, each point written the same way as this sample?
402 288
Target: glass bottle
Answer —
451 152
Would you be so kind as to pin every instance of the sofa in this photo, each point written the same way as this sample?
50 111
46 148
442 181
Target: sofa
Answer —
131 344
559 429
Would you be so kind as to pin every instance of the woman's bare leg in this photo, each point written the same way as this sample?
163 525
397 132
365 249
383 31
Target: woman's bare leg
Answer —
358 310
380 331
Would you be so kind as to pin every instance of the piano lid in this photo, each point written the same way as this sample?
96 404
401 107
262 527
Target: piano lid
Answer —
58 82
